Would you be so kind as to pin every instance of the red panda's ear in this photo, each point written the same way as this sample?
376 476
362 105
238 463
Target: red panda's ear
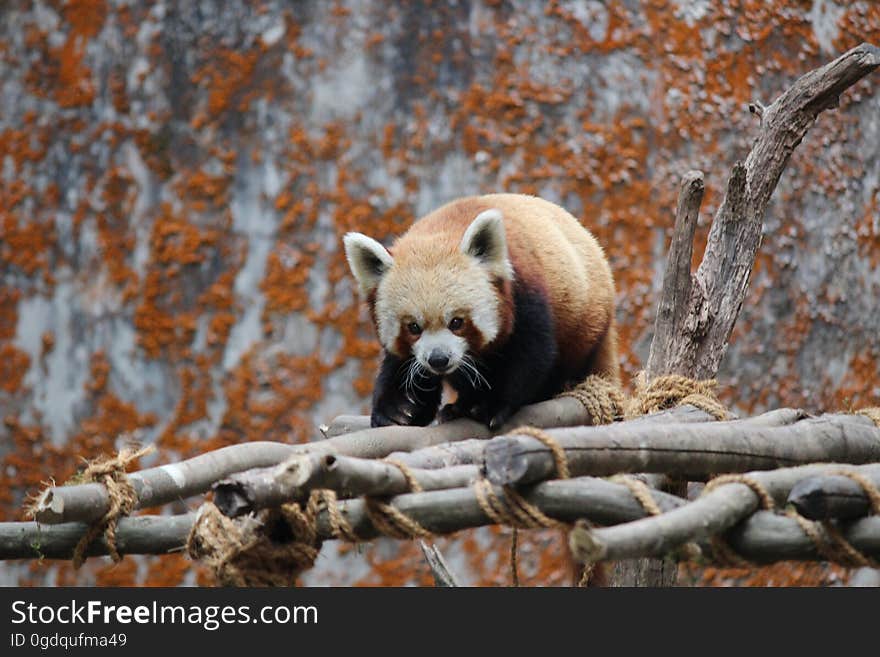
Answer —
486 241
367 259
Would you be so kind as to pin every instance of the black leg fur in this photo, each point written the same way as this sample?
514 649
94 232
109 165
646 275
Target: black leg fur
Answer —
392 404
520 372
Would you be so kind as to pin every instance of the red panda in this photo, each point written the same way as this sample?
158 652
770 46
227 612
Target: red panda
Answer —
506 298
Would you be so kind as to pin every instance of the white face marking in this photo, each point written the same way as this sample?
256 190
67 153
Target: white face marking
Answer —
443 343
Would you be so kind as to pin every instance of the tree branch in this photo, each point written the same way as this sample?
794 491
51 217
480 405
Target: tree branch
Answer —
722 278
443 577
713 513
684 449
293 480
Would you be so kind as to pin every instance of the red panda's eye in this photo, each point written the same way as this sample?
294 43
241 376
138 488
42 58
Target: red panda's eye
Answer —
455 323
414 328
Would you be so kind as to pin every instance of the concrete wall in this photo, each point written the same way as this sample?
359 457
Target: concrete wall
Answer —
175 179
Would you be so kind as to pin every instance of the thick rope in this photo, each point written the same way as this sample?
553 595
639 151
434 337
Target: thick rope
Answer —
830 543
514 570
391 521
602 399
339 524
871 491
271 551
522 511
514 510
110 471
558 452
641 492
511 508
723 553
758 489
670 390
409 475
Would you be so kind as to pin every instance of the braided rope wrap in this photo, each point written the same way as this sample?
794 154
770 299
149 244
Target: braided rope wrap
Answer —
270 551
670 390
603 400
110 471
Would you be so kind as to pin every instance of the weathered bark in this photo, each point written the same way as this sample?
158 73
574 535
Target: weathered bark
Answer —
348 476
713 513
685 449
159 485
719 287
141 535
676 291
696 315
443 577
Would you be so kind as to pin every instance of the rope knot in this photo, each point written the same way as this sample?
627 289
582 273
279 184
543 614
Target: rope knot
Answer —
110 471
271 550
670 390
602 399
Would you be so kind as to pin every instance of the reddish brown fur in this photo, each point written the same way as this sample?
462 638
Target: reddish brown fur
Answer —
550 251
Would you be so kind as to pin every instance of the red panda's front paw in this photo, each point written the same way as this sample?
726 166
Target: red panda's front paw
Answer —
450 412
499 417
400 411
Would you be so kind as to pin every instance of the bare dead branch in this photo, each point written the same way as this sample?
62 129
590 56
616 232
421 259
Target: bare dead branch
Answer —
443 577
721 281
685 449
159 485
348 476
713 513
676 291
140 535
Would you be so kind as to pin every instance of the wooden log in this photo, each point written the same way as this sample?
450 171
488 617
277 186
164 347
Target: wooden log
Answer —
713 513
833 496
159 485
763 537
767 537
296 478
555 412
440 511
343 424
468 452
696 314
139 535
685 449
464 452
676 291
167 483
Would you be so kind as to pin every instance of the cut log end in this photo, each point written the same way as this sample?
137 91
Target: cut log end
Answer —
48 507
585 548
504 465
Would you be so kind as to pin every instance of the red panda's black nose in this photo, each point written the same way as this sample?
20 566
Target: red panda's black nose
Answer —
438 360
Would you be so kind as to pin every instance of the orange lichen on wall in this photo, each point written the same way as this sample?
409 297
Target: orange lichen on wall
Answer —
14 364
603 111
25 246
